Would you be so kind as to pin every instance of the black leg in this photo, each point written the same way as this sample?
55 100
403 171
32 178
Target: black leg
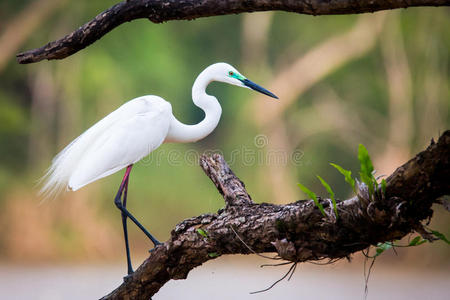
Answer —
124 189
121 206
125 231
132 218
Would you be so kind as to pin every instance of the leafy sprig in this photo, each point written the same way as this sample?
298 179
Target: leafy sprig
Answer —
313 196
367 177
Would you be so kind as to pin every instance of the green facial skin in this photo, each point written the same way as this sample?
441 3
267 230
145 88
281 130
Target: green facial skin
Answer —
236 75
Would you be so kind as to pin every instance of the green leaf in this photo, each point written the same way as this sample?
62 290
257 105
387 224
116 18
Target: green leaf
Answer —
417 241
202 232
368 181
347 174
365 161
383 186
414 241
313 196
440 236
382 247
213 254
330 191
366 172
307 191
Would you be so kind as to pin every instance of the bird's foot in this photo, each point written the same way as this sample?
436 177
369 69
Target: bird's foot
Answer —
156 245
128 277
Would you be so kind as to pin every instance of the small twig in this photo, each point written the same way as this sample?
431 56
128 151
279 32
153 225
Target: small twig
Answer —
293 271
276 265
329 262
292 268
366 278
395 250
366 254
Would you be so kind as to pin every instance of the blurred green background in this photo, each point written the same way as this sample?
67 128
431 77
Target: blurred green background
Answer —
377 79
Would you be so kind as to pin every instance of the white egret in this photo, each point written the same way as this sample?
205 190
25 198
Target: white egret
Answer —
131 132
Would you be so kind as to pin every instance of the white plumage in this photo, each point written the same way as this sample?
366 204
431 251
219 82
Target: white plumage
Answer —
118 140
134 130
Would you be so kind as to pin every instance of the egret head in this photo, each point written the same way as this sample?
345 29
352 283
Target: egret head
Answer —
226 73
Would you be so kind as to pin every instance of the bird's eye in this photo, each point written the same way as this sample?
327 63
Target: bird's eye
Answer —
231 73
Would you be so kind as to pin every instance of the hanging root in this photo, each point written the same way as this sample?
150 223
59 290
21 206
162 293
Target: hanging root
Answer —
290 271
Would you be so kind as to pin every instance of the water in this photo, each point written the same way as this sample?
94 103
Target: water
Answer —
228 278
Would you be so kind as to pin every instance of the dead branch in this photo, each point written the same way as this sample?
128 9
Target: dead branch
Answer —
298 232
159 11
18 29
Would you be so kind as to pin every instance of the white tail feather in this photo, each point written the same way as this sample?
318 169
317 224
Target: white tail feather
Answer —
64 165
56 179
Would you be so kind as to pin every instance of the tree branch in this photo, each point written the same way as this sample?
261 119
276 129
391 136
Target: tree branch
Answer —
159 11
297 231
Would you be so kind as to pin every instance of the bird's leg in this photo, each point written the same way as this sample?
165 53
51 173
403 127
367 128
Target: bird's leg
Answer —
119 204
124 222
124 190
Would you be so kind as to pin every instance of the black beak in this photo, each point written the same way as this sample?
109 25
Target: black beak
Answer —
258 88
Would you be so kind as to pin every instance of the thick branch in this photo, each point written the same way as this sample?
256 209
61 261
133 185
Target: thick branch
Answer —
229 186
159 11
297 231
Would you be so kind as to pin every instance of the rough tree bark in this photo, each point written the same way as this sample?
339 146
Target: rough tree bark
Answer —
159 11
297 231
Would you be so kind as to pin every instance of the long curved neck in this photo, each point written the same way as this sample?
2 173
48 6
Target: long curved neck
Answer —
183 133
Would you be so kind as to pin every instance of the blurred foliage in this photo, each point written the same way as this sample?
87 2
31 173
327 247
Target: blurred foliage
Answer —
44 106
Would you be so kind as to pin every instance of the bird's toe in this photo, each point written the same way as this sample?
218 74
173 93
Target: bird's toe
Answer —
128 277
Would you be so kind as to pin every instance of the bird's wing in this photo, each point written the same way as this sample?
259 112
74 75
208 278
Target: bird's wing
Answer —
122 138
